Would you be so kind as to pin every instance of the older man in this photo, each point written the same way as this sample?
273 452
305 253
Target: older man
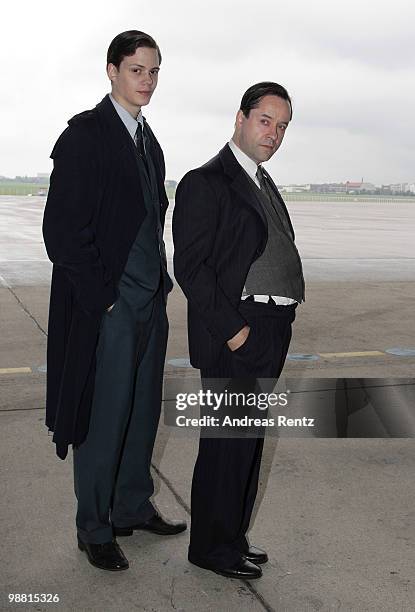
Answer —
237 264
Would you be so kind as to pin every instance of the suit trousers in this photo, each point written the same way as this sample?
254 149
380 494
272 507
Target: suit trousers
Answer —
112 476
226 473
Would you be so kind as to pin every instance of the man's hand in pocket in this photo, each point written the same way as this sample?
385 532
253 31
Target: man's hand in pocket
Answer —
239 339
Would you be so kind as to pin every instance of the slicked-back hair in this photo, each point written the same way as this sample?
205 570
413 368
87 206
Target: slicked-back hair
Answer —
253 95
127 43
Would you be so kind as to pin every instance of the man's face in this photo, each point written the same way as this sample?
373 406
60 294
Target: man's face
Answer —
261 134
135 80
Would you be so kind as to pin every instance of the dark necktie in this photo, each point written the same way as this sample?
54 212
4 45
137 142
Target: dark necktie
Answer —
261 179
140 145
274 201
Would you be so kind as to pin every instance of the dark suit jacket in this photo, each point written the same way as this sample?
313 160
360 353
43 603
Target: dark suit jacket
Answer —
219 229
94 209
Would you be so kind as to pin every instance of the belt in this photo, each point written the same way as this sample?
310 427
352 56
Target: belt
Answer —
265 299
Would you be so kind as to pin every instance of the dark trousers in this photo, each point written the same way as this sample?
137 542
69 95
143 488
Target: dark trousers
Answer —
225 478
112 475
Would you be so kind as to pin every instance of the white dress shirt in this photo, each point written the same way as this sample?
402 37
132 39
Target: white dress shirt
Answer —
128 120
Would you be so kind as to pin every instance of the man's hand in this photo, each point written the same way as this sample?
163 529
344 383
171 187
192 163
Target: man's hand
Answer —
110 307
239 339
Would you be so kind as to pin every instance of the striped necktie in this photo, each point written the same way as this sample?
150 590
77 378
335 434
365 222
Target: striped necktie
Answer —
139 142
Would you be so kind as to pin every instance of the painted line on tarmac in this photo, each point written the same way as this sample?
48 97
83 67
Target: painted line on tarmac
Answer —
185 363
15 370
354 354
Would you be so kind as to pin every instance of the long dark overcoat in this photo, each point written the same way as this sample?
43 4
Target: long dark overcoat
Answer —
94 209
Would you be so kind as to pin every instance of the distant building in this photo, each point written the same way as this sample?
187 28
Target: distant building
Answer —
328 187
295 188
360 187
41 178
350 187
399 187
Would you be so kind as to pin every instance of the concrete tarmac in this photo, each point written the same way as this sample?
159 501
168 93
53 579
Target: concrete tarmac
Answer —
335 515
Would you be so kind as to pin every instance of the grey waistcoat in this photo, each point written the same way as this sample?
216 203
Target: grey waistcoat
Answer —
278 271
146 263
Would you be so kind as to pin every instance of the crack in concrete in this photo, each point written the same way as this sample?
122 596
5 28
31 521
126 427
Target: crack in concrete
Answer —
4 283
184 505
260 599
26 310
172 585
168 484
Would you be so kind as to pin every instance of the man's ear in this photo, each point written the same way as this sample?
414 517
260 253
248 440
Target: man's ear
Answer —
239 118
112 71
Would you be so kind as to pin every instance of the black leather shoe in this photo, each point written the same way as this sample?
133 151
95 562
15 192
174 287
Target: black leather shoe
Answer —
108 556
155 524
244 569
256 555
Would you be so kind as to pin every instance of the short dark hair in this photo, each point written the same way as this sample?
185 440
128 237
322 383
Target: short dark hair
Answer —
127 43
253 95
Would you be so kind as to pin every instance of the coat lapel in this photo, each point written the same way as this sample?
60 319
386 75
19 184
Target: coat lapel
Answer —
151 144
158 163
241 182
115 131
119 140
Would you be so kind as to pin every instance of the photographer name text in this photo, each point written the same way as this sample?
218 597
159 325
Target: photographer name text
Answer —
227 421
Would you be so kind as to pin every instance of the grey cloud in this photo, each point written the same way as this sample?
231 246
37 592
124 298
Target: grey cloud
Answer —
347 65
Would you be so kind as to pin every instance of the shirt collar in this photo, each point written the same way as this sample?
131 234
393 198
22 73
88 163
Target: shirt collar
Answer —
246 162
127 119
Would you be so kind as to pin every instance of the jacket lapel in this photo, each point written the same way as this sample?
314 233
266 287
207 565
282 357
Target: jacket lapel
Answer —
119 140
158 163
240 182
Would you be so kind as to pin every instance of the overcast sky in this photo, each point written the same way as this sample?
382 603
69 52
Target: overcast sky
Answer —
349 67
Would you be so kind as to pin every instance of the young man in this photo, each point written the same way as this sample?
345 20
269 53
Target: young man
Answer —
237 264
103 230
